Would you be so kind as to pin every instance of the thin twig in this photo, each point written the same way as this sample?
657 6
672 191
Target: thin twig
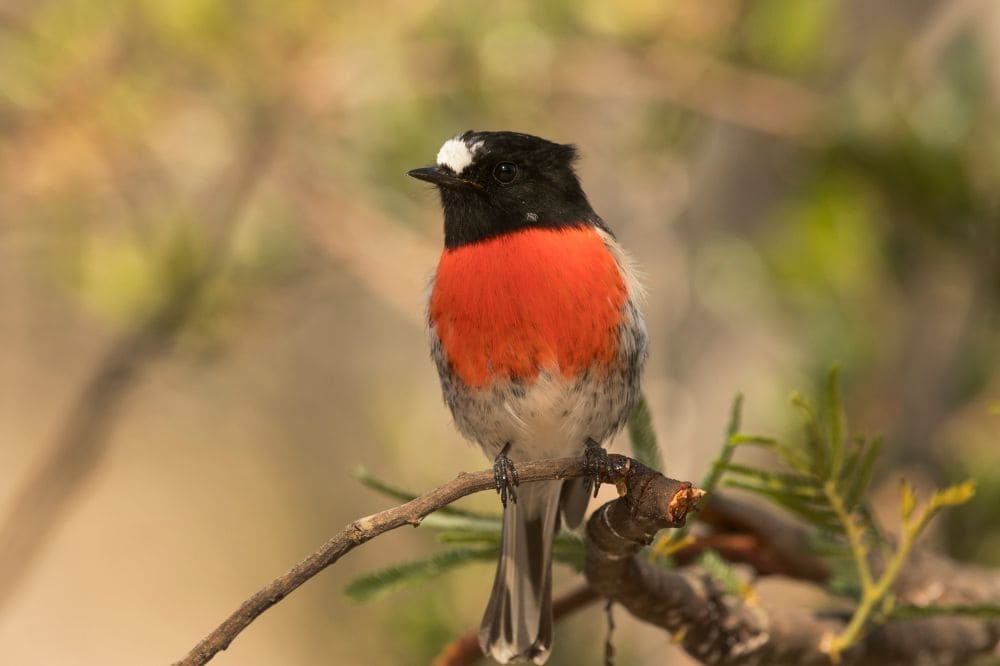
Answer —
609 645
669 498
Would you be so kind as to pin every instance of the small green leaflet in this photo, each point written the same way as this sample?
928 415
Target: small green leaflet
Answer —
364 588
642 435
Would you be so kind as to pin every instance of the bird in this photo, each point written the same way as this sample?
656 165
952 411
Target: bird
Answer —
536 330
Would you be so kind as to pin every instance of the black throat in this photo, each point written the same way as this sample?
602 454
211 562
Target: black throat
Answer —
511 182
470 217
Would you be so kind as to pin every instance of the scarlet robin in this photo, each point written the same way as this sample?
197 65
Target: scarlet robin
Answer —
538 338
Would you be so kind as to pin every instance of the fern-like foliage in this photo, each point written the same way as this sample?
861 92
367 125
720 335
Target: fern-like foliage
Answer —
370 585
725 577
827 473
643 437
824 481
823 477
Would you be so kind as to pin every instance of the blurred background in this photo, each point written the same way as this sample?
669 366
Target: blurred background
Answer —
212 275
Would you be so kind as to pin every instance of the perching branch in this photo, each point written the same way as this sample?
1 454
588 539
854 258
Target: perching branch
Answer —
655 498
718 629
741 531
714 627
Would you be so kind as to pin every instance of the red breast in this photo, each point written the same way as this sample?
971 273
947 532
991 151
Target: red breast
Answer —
511 306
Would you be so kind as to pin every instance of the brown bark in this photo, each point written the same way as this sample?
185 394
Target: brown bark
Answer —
667 498
716 628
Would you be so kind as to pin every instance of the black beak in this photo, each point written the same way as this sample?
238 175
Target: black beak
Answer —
442 178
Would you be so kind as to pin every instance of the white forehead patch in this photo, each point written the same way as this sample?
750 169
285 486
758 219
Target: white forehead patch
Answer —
456 155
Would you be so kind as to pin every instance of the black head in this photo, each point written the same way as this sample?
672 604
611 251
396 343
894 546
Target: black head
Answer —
492 183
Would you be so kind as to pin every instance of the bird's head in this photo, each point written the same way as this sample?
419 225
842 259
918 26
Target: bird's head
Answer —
493 183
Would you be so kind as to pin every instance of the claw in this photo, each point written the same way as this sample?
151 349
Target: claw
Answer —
505 478
596 462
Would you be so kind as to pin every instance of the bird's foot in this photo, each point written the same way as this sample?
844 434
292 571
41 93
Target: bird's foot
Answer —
505 477
595 462
598 463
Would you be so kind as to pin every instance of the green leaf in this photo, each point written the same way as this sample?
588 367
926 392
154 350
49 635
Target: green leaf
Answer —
817 515
379 486
735 417
720 571
711 479
907 612
773 488
569 549
819 462
788 455
860 480
907 499
466 538
834 418
362 474
830 549
740 439
855 449
460 522
665 543
828 490
793 484
364 588
871 526
843 579
640 432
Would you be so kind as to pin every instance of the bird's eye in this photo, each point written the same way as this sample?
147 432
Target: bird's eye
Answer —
505 172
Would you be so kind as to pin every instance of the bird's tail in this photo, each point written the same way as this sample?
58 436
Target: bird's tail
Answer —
517 625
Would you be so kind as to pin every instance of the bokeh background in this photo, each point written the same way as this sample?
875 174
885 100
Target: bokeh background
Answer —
212 272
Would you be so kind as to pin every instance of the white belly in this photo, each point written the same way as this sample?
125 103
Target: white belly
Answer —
551 418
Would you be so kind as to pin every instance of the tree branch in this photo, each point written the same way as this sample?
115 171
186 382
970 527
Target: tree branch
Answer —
780 545
719 629
711 626
644 488
742 531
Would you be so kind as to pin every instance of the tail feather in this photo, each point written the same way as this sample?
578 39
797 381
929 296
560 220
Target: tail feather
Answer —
574 500
517 625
